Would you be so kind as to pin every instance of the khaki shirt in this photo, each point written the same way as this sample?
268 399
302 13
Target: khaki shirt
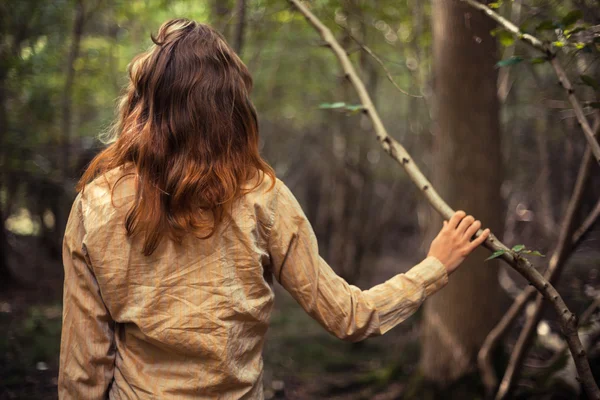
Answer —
189 321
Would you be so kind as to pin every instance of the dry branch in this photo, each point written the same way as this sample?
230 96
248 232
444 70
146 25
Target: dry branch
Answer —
488 375
589 336
558 69
557 262
564 248
379 61
567 319
484 362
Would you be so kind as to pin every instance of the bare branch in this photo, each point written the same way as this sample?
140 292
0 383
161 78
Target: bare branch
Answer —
484 362
488 375
587 36
558 69
589 338
380 62
567 319
563 250
587 224
510 27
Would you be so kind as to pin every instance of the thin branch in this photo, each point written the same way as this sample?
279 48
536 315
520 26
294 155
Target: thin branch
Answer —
558 69
380 62
587 224
587 36
484 362
587 314
567 319
509 26
590 338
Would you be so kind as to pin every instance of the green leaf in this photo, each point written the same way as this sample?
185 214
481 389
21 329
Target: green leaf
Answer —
588 80
495 5
519 247
496 254
546 25
332 105
537 253
509 61
505 38
538 60
571 18
558 43
579 46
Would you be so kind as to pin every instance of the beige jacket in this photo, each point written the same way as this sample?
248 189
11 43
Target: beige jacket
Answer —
189 321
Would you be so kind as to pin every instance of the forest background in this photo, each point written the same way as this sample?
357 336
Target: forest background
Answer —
483 116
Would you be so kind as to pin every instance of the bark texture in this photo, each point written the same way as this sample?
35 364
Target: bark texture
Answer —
467 173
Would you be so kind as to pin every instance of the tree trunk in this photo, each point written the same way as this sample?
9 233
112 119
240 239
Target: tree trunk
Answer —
240 28
467 173
6 277
67 97
221 12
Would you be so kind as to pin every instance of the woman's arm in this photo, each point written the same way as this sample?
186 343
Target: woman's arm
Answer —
87 352
343 309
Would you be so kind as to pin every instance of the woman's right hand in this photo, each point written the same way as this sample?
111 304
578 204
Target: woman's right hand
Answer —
453 244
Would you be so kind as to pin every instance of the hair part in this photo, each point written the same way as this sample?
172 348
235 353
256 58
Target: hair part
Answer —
187 125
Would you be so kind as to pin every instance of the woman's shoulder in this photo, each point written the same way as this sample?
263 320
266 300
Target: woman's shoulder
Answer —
112 185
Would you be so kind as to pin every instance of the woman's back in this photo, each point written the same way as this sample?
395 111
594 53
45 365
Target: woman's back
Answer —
192 315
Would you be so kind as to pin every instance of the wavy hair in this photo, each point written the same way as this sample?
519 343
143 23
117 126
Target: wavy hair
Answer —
187 125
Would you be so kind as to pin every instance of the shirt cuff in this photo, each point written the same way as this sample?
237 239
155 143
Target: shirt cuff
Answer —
432 273
399 297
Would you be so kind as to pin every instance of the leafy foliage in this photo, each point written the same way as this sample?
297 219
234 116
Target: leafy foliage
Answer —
518 249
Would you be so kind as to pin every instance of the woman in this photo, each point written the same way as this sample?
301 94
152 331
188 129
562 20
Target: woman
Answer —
178 230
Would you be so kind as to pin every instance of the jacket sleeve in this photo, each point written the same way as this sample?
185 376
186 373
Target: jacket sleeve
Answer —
87 349
342 309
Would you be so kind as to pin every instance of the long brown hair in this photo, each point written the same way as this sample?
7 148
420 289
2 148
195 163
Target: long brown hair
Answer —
188 127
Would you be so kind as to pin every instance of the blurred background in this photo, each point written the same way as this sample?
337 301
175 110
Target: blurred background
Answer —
483 116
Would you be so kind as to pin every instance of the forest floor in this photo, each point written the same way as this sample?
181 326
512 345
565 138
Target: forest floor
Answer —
299 354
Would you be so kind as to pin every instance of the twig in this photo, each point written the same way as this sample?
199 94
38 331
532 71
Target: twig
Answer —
488 375
484 362
380 62
587 224
587 314
567 319
590 337
558 69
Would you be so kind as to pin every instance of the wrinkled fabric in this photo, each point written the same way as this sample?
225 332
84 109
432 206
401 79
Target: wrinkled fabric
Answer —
189 321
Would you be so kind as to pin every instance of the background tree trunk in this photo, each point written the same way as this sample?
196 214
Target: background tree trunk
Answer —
6 277
221 11
240 28
67 96
467 173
